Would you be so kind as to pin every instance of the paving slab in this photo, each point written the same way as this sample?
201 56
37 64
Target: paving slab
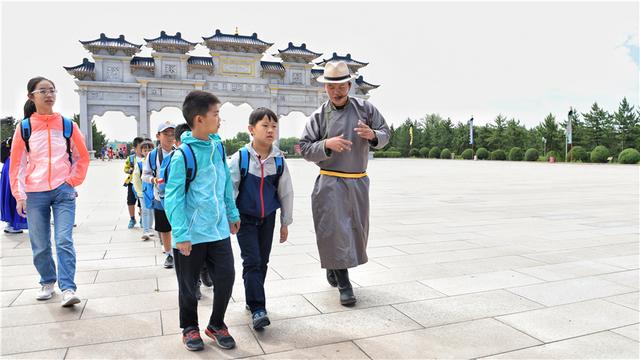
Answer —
303 332
343 350
452 309
604 345
168 347
458 341
568 291
566 321
79 332
480 282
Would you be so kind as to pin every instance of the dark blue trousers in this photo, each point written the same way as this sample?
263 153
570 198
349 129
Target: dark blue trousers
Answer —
255 238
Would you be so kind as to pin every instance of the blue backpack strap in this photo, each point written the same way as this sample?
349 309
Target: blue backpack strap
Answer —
67 132
279 165
25 131
152 160
190 165
220 147
244 161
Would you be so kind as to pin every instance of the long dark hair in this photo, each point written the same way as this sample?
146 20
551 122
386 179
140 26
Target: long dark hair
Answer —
30 106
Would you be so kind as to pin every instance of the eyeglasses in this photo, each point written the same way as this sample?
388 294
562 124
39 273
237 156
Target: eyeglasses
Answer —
44 92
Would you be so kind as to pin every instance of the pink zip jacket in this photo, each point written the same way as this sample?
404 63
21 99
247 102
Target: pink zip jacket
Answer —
46 166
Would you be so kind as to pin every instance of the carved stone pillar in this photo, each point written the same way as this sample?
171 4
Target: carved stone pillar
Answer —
85 122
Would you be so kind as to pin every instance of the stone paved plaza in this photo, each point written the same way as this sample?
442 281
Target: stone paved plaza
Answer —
467 260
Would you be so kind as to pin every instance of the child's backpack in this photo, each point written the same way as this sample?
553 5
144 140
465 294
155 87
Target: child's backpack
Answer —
190 167
5 150
67 132
244 164
132 160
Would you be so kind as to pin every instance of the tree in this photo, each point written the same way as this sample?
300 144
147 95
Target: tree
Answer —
496 134
549 130
599 127
234 144
243 136
7 126
515 134
627 126
99 138
288 145
400 139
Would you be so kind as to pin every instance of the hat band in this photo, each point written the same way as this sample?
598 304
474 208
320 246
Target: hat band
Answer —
337 78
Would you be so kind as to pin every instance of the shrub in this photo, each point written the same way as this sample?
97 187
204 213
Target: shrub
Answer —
578 153
599 154
414 153
467 154
424 152
629 156
498 155
482 153
434 153
531 155
379 154
553 153
445 154
516 154
393 154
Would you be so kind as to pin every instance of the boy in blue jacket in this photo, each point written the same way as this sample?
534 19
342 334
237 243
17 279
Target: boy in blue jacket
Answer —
202 214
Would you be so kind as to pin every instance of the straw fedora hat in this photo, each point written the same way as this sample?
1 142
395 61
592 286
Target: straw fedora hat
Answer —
335 72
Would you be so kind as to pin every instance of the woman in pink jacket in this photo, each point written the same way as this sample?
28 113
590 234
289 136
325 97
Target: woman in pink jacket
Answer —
45 168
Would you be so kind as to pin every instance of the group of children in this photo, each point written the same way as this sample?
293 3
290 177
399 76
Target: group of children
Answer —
198 201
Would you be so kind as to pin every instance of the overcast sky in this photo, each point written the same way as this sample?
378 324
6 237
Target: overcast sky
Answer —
520 59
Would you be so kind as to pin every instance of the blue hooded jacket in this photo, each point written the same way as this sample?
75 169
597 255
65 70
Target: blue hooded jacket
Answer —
202 214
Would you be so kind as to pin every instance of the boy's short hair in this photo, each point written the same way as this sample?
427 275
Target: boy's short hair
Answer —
147 143
180 129
197 102
137 141
259 113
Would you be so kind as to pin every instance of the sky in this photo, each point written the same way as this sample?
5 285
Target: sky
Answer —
523 60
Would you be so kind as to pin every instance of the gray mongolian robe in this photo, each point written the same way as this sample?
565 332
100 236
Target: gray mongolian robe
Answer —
341 205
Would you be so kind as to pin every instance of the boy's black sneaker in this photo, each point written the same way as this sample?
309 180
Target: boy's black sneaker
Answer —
192 340
221 336
260 319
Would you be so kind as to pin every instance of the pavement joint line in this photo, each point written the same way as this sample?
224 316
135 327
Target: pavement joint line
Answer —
79 319
560 340
518 330
361 349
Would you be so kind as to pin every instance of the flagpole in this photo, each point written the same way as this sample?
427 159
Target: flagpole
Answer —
568 136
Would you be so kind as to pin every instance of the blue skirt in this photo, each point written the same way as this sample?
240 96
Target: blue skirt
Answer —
9 213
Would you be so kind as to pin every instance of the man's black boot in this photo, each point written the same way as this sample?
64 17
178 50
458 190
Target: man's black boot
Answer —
347 298
331 278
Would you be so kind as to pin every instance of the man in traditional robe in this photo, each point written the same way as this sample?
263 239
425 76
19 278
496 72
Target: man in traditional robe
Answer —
337 138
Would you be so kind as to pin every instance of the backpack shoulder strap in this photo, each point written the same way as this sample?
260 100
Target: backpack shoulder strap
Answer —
220 147
152 160
244 161
67 127
25 131
67 132
190 165
279 165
